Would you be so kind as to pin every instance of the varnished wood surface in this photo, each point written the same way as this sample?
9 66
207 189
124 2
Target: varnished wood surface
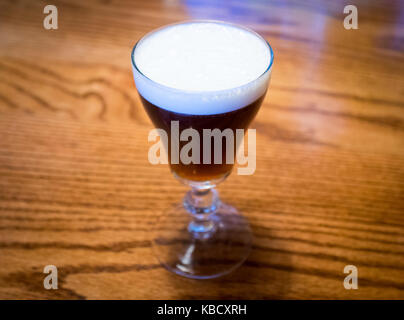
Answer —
77 191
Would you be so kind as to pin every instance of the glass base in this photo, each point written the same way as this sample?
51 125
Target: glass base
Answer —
202 248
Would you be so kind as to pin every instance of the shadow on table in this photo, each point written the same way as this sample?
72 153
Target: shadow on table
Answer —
264 275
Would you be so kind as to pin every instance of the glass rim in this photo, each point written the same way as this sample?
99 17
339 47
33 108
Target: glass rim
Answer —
199 21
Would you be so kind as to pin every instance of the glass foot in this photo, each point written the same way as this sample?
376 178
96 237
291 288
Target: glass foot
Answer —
202 246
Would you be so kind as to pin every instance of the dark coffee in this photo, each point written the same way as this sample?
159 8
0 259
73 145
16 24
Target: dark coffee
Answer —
237 119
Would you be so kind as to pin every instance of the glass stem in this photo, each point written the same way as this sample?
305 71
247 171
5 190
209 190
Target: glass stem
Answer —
202 204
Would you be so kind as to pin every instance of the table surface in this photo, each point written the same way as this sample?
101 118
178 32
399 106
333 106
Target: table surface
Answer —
77 190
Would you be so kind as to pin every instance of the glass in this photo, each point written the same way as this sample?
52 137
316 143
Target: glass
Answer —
201 237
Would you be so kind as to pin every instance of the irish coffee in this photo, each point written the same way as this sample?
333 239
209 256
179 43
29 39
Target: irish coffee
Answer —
205 75
202 81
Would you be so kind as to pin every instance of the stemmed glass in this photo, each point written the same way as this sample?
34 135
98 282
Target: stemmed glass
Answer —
202 237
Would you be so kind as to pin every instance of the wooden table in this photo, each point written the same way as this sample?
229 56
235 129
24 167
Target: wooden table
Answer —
77 190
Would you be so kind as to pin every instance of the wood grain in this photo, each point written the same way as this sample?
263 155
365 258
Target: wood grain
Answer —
77 191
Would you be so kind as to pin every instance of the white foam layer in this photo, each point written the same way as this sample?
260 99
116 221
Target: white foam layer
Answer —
201 67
